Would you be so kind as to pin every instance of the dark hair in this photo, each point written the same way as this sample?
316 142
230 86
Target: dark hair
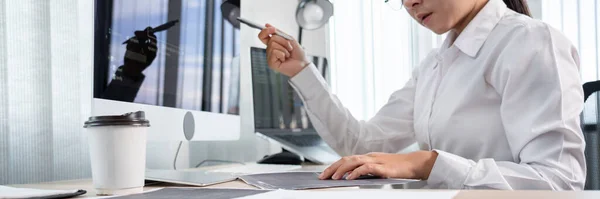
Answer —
519 6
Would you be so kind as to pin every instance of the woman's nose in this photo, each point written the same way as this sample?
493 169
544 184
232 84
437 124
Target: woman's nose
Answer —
409 4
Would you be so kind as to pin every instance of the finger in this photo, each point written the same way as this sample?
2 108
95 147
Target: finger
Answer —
265 34
143 35
296 45
277 30
281 41
277 63
276 58
353 163
153 45
279 54
273 46
134 40
366 169
152 49
139 33
152 37
273 62
329 171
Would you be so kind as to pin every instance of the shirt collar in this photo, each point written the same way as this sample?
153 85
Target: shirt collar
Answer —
477 31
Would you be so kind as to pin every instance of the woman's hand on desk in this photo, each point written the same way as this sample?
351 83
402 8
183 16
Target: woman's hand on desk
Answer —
416 165
284 56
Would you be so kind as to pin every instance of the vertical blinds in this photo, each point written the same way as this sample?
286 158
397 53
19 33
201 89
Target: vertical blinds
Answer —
41 63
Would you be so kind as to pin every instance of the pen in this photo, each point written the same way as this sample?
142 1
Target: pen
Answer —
162 27
260 27
165 26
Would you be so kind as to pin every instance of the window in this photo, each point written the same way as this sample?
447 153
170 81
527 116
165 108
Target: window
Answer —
579 21
374 48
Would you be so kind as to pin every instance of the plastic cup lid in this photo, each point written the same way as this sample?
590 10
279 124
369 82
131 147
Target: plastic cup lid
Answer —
127 119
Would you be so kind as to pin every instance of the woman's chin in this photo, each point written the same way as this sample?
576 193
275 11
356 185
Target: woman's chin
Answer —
438 30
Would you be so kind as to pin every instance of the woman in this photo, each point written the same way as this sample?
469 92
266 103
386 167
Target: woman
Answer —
496 107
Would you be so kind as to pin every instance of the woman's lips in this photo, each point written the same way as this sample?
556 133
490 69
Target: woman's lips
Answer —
426 19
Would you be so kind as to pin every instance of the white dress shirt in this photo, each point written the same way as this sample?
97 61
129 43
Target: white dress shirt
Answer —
500 104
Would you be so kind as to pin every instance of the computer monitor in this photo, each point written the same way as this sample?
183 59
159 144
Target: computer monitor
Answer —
191 89
277 107
279 112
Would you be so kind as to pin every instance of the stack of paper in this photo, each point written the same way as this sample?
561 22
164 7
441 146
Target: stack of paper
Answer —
194 193
310 180
359 194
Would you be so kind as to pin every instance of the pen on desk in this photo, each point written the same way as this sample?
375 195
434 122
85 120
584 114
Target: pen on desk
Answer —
260 27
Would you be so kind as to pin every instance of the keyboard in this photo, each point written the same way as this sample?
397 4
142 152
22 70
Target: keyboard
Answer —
302 140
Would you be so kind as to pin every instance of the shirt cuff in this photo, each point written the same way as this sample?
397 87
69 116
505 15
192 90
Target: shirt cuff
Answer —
449 171
309 83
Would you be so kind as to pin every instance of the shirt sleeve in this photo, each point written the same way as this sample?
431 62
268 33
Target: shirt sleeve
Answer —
537 75
390 130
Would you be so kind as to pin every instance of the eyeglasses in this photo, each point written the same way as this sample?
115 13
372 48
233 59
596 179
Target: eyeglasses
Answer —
395 4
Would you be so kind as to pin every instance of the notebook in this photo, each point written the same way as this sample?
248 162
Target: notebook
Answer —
12 192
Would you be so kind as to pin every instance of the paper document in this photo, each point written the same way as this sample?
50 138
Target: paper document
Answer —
194 193
256 169
310 180
11 192
359 194
191 177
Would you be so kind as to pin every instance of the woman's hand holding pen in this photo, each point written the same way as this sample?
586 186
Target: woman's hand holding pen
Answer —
284 56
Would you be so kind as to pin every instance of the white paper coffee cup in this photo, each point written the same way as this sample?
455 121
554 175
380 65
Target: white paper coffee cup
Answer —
118 152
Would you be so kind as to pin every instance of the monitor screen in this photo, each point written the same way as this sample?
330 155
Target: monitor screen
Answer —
196 64
276 105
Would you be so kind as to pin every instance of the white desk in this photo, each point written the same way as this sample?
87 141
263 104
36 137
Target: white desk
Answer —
86 184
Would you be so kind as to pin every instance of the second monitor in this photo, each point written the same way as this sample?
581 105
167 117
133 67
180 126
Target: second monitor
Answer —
279 113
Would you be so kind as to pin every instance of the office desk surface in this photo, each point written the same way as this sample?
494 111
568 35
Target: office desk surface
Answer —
86 184
467 194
